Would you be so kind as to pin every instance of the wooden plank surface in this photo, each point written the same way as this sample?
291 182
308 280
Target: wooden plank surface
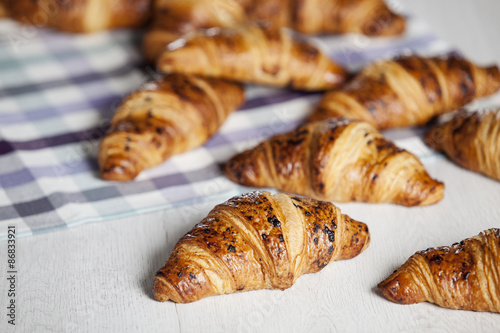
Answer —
98 277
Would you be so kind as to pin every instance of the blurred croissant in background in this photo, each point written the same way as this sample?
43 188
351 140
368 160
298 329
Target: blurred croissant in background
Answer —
79 16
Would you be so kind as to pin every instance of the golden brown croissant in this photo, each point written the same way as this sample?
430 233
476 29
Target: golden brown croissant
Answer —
80 15
337 161
276 12
472 140
253 53
183 16
369 17
162 119
464 276
408 91
258 241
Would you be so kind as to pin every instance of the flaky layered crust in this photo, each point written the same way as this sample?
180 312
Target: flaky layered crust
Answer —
337 161
164 118
464 276
408 91
472 140
257 241
253 53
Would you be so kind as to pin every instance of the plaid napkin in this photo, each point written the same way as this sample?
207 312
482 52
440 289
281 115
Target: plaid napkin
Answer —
57 96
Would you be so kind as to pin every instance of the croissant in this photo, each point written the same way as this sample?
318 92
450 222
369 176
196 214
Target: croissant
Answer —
155 41
253 53
183 16
258 241
472 140
164 118
337 161
369 17
80 16
277 12
464 276
408 91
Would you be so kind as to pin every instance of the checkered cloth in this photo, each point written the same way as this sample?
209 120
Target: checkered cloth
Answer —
57 96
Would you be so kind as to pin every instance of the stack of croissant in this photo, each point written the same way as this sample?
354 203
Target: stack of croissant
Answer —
206 51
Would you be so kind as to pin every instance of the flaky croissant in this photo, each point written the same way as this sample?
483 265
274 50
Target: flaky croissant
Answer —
184 16
253 53
164 118
369 17
464 276
258 241
408 91
337 161
472 140
78 15
277 12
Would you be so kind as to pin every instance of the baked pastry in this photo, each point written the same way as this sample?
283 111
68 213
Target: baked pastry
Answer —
368 17
464 276
257 241
164 118
472 140
408 91
253 53
174 18
183 16
337 160
78 15
155 41
279 13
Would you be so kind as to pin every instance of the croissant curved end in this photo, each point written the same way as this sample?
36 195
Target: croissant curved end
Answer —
117 169
400 288
161 288
435 194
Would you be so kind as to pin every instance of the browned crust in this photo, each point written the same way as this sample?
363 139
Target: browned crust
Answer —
247 243
472 140
337 161
409 91
80 16
464 276
254 53
164 118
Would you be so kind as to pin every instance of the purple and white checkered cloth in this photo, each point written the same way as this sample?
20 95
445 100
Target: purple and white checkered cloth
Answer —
58 93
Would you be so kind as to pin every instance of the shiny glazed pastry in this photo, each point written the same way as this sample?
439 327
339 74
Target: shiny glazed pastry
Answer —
80 15
408 91
258 241
164 118
183 16
368 17
472 140
464 276
337 161
174 18
253 53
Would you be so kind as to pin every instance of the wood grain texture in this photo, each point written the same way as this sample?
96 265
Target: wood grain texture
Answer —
97 277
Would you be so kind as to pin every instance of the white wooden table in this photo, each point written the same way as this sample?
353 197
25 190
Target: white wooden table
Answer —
98 277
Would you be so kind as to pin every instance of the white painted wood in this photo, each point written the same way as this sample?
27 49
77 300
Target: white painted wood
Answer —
98 277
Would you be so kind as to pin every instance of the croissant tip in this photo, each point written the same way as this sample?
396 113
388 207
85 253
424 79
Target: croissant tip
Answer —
397 288
435 194
117 170
160 288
